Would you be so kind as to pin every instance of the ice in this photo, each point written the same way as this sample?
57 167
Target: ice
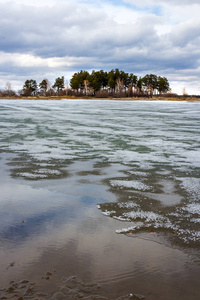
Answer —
193 208
191 185
130 184
126 230
128 205
119 218
31 175
147 216
138 173
151 152
124 131
47 171
108 213
195 220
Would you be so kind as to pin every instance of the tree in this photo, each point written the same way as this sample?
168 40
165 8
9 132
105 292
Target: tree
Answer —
59 84
95 81
86 86
150 82
139 84
8 87
29 87
111 80
125 78
118 81
184 92
77 80
74 82
132 80
163 85
119 85
8 90
98 80
44 86
103 78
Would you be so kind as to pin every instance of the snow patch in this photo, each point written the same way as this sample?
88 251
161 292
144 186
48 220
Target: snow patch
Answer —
137 185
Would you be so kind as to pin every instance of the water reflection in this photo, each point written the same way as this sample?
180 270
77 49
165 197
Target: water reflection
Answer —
55 225
58 172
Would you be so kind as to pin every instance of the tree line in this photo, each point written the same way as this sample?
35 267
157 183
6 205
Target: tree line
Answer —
117 83
114 83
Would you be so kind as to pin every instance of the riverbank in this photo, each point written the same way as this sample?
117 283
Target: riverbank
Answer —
153 98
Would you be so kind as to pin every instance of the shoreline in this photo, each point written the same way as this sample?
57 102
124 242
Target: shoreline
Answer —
153 98
64 288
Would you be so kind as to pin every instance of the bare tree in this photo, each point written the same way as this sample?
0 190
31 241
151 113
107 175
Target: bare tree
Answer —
119 85
184 92
8 90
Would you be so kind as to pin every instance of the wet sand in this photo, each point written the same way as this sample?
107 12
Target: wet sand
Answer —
69 288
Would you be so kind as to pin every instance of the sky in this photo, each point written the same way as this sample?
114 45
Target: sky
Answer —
53 38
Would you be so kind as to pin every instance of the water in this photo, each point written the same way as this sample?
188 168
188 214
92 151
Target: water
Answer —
108 191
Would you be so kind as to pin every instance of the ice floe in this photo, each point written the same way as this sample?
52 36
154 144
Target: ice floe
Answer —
134 184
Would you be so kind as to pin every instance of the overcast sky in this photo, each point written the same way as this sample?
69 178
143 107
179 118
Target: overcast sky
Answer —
50 38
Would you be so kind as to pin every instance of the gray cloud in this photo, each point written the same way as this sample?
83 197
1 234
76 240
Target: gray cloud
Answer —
63 37
186 34
149 3
74 31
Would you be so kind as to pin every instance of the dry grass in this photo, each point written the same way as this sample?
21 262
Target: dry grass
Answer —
153 98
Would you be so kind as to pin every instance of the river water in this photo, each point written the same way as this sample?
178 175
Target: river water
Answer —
108 191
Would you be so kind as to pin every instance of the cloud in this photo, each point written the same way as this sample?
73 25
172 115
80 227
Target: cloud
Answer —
67 30
54 38
150 3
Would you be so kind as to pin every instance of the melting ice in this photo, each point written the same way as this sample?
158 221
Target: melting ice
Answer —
154 147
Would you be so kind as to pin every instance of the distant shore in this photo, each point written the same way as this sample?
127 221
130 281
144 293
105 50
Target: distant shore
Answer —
153 98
